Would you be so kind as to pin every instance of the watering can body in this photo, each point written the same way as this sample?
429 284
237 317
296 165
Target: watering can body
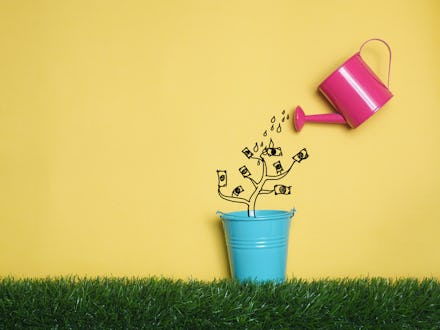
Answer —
354 91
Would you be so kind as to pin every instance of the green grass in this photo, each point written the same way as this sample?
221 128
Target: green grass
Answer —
157 303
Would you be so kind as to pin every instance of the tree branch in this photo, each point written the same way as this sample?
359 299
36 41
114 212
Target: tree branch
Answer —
265 191
233 199
264 171
282 175
257 158
253 181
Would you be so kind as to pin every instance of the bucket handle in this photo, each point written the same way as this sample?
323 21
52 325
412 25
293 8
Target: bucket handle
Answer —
389 51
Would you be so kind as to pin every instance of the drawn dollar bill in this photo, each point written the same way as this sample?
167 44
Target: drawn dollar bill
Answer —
282 189
237 191
301 155
222 178
278 167
247 152
244 171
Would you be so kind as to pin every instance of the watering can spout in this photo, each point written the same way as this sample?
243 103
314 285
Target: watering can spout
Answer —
299 118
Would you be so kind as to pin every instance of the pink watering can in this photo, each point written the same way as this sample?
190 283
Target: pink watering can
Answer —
353 90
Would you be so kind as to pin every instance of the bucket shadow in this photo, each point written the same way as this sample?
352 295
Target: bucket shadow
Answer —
220 238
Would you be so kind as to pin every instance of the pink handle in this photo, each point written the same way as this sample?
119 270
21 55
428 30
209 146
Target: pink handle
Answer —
389 51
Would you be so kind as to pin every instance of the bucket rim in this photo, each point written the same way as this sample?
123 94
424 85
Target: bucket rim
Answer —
261 215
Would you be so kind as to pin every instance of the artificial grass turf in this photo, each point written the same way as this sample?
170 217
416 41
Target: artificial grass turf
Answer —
155 303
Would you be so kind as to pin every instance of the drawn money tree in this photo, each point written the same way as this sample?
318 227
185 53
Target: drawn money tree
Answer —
267 153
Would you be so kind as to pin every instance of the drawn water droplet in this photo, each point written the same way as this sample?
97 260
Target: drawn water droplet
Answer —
284 111
256 147
272 128
265 133
279 128
284 118
261 144
271 144
287 116
272 120
258 163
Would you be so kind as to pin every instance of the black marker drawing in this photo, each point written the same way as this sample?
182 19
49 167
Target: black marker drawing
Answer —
259 183
247 152
237 191
278 167
244 171
261 154
222 178
301 155
273 152
282 189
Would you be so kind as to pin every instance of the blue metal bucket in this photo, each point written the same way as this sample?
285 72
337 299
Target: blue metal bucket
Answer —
257 246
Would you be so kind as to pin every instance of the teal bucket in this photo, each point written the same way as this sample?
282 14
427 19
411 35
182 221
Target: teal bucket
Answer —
257 246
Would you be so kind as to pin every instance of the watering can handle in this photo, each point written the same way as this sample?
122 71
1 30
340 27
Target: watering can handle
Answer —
389 51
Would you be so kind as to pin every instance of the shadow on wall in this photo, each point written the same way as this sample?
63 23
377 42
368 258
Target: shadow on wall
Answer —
219 234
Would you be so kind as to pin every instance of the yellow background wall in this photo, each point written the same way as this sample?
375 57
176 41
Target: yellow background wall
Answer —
115 116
